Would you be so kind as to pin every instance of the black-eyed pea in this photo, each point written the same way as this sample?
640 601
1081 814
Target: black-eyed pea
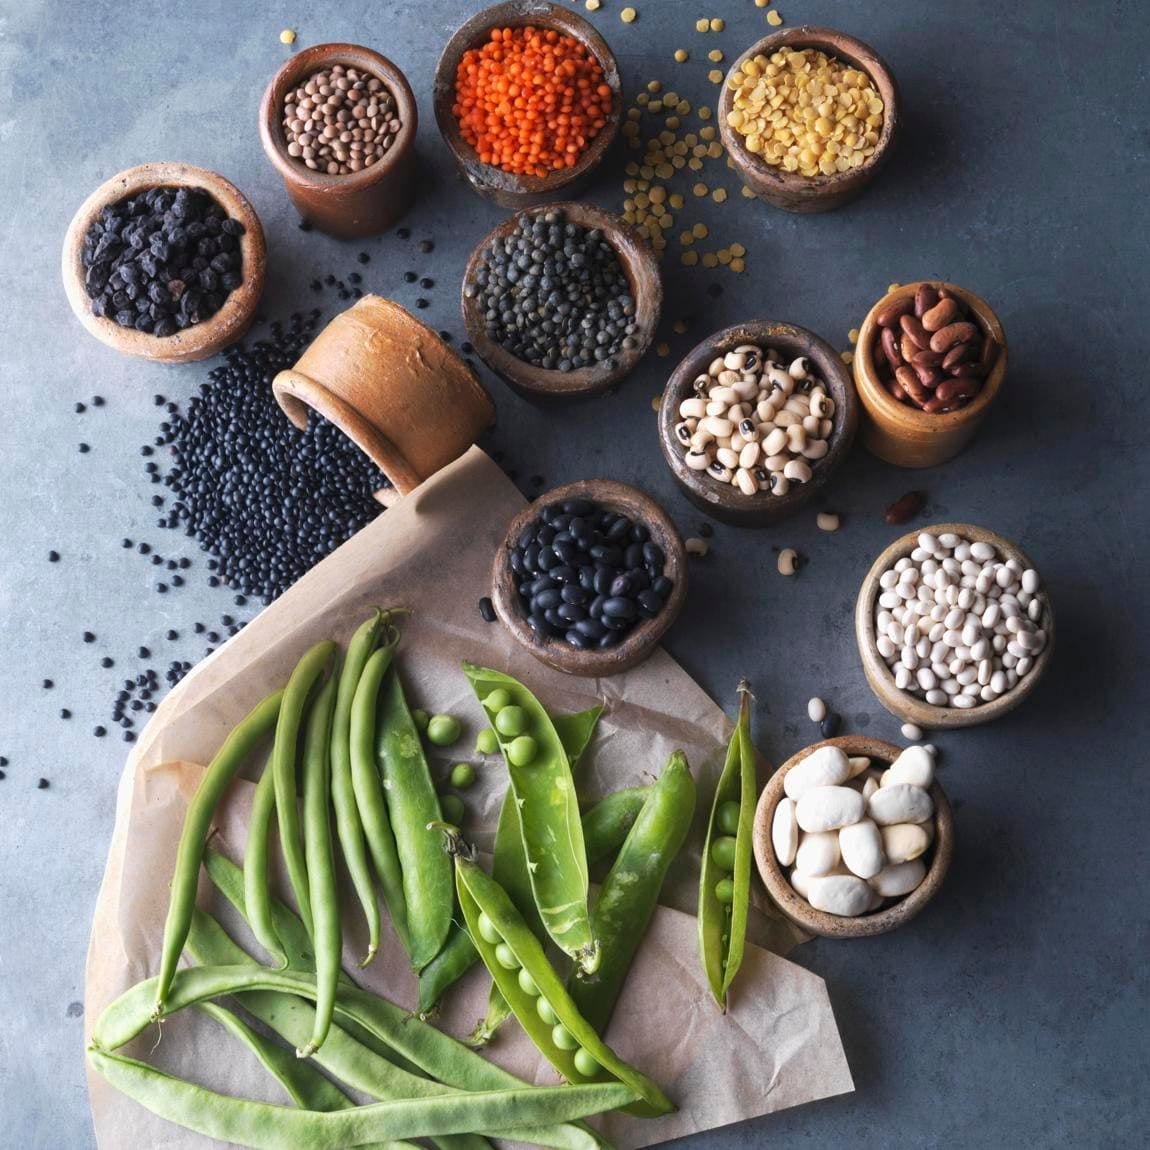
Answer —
797 471
726 395
800 368
727 457
811 424
826 427
683 433
899 879
786 419
716 367
717 471
749 455
776 462
780 380
903 842
796 438
693 408
697 460
715 408
718 427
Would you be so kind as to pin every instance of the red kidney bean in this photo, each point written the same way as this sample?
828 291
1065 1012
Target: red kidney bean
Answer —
905 507
893 387
957 356
913 328
908 347
989 356
888 315
928 376
908 380
926 358
945 338
943 312
890 348
958 387
925 297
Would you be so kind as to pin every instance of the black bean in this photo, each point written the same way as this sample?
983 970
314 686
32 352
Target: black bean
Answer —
830 725
650 603
618 607
487 610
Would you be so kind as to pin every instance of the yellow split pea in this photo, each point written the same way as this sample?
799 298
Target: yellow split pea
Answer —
774 19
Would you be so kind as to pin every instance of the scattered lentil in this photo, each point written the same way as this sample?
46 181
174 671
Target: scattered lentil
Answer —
773 18
628 15
682 55
287 36
827 521
717 25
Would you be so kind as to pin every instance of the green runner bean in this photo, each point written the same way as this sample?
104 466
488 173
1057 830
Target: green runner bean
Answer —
630 892
197 823
412 803
257 882
722 919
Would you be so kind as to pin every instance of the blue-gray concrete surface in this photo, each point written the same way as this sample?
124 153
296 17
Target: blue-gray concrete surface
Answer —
1014 1011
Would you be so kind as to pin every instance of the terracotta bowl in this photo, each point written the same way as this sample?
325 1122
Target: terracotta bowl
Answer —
721 500
886 918
642 270
790 190
203 339
362 203
909 707
393 386
642 639
505 188
901 434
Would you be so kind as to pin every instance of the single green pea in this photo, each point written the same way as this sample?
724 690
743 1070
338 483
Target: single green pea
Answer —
521 751
421 718
511 721
527 984
452 809
563 1038
443 730
486 742
727 818
544 1010
505 956
723 853
585 1063
725 891
487 929
462 776
496 700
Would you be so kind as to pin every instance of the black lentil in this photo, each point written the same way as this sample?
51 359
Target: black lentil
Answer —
554 294
47 684
409 277
79 409
421 303
99 732
53 556
84 448
427 283
403 233
172 636
97 401
363 258
107 661
65 713
427 246
89 637
42 784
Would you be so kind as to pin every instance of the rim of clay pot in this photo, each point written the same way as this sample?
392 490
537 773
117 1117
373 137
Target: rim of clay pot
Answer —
795 907
202 339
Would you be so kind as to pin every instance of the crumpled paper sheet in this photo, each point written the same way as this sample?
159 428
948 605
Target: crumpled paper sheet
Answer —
777 1047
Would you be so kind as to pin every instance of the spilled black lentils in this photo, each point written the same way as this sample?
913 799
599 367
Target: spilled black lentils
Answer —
163 260
555 295
588 575
266 500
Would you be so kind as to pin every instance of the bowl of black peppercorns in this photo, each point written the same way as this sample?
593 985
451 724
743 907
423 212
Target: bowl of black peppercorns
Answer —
165 261
590 576
562 300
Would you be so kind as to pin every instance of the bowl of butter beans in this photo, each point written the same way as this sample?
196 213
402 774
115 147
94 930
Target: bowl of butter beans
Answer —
755 421
853 836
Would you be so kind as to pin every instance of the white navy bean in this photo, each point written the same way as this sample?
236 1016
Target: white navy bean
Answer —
816 709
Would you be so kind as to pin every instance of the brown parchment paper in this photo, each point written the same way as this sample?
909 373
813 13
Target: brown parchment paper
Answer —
777 1047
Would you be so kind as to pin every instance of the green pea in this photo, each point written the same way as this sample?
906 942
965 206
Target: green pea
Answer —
727 818
723 853
544 1010
487 928
563 1038
443 730
421 718
496 700
585 1063
462 776
452 808
521 751
527 984
505 956
511 721
486 742
725 891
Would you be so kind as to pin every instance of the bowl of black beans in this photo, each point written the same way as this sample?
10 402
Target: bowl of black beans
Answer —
562 301
165 261
590 576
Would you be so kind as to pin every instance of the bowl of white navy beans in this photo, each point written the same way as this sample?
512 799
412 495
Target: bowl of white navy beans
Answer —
755 421
954 626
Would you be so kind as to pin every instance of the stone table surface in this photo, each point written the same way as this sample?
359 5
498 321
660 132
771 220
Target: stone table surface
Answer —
1014 1011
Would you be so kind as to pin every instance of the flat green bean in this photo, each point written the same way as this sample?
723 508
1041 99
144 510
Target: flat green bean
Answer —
412 803
723 926
327 933
257 881
630 892
348 825
197 823
305 676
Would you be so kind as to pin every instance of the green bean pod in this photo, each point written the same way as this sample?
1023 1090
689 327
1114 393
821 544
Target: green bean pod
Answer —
456 957
369 795
348 825
528 982
630 892
303 679
327 933
544 792
257 880
194 835
412 804
723 926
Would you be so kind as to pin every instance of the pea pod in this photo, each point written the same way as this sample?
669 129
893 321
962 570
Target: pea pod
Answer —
630 892
412 804
607 824
305 676
519 966
544 792
723 924
348 825
576 730
197 823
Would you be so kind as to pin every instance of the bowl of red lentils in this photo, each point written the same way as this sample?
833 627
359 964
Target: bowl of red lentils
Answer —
528 98
808 117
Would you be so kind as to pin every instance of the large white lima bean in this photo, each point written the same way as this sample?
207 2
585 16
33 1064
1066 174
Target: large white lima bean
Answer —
914 766
785 832
828 808
818 853
860 845
901 803
899 879
825 767
843 894
905 841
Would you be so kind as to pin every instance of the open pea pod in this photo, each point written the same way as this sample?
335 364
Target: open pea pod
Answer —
535 992
544 792
725 881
